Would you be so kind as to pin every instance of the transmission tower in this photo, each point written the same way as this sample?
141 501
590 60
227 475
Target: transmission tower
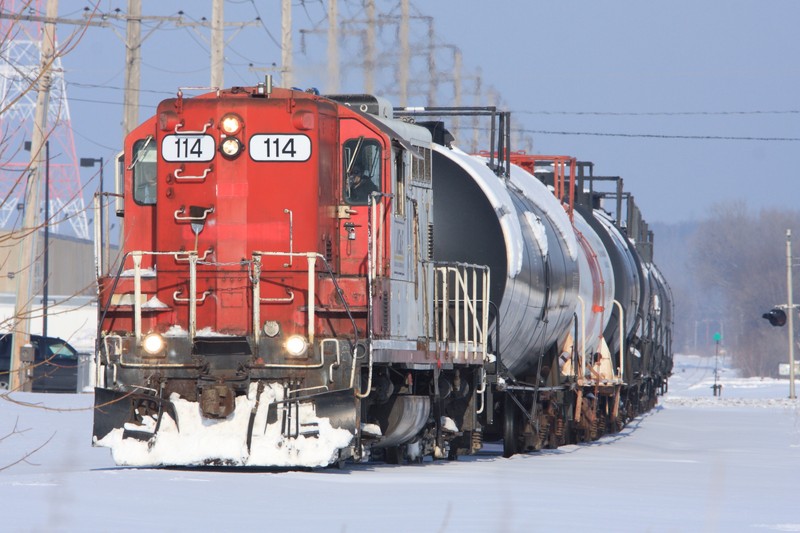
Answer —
20 62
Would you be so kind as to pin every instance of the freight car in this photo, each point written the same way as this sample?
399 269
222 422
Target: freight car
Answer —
307 280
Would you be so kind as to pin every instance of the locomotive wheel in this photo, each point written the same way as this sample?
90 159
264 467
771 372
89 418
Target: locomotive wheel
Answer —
510 427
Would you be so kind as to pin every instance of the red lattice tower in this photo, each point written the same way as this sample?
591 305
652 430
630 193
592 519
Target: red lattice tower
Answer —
20 62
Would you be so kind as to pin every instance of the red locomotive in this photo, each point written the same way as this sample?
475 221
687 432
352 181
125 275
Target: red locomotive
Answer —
307 280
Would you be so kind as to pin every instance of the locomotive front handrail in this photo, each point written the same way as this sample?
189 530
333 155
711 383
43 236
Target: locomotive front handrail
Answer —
137 291
375 241
178 171
312 258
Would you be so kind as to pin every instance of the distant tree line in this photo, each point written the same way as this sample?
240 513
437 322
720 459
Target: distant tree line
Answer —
725 272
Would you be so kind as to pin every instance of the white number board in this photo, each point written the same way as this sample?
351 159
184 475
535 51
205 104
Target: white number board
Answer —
280 147
179 147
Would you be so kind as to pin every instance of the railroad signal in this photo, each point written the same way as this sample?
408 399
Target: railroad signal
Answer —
776 317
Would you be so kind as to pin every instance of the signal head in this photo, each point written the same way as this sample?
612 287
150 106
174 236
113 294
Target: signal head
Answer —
776 317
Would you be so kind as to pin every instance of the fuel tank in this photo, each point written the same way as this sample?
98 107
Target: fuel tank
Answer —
520 230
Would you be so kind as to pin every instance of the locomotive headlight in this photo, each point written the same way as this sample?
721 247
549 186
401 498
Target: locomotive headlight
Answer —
296 345
231 147
271 328
153 343
230 124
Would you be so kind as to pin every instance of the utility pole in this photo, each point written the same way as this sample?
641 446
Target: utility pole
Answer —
286 44
46 267
217 44
433 84
405 54
790 311
133 65
24 297
333 47
456 84
369 49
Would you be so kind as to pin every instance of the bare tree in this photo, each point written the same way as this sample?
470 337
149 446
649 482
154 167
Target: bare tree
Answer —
738 260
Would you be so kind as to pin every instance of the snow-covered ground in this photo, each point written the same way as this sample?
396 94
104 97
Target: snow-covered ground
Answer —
695 463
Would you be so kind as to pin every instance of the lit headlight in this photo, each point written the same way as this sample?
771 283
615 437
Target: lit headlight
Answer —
296 345
153 343
230 124
231 147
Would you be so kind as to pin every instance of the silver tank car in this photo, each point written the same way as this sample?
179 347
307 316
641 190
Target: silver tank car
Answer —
518 228
630 284
597 287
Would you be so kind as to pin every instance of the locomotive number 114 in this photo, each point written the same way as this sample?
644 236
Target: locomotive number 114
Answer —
279 147
188 147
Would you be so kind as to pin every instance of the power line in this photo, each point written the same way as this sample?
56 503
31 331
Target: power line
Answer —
120 104
660 136
102 86
659 113
261 20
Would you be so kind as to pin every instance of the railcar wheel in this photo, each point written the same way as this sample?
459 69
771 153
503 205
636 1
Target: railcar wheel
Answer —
510 427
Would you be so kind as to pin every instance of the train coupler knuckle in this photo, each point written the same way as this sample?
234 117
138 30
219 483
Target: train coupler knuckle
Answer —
217 400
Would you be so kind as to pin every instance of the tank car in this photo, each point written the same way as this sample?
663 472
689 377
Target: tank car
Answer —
306 280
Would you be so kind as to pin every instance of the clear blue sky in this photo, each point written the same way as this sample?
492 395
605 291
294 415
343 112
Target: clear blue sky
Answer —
679 68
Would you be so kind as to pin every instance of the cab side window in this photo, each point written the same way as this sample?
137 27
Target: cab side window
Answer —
144 171
362 170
